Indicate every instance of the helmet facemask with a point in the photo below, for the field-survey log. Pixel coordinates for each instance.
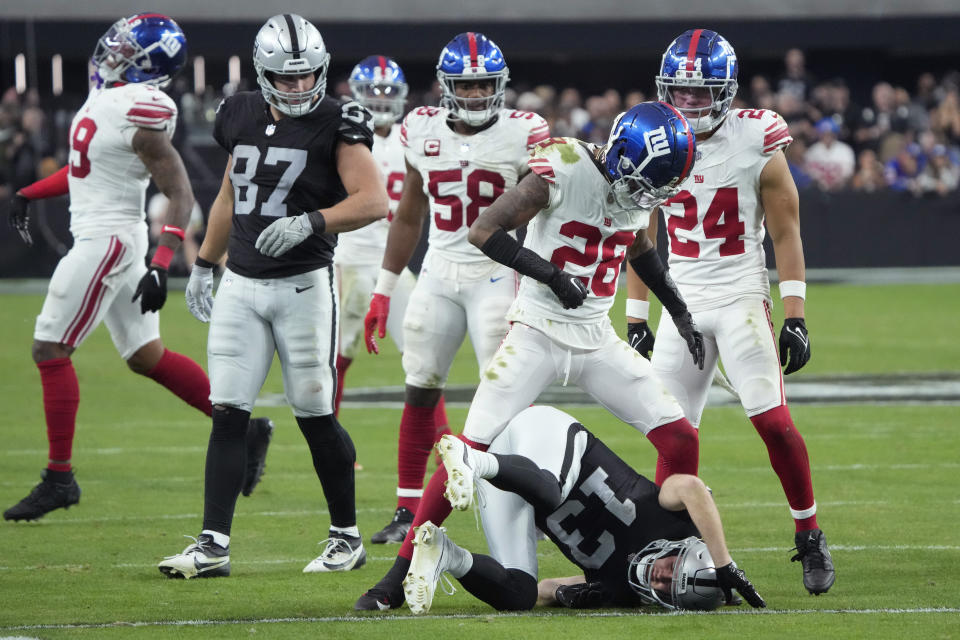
(473, 111)
(633, 190)
(694, 582)
(706, 118)
(385, 100)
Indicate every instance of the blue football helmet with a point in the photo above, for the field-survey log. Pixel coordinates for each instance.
(651, 150)
(694, 583)
(703, 59)
(146, 47)
(378, 83)
(472, 56)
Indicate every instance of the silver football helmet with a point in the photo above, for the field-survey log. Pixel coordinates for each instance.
(289, 44)
(694, 584)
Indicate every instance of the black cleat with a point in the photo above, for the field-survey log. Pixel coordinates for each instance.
(812, 552)
(396, 530)
(45, 497)
(379, 599)
(259, 432)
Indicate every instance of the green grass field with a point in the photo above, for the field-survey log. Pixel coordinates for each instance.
(885, 478)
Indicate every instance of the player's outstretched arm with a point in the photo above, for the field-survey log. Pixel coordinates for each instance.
(405, 229)
(781, 204)
(155, 150)
(199, 292)
(645, 262)
(514, 208)
(682, 491)
(18, 210)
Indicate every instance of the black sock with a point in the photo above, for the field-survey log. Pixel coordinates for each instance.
(521, 475)
(503, 589)
(226, 465)
(333, 458)
(60, 477)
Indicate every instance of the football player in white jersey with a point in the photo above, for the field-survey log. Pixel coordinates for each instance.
(741, 186)
(460, 158)
(299, 172)
(584, 205)
(119, 138)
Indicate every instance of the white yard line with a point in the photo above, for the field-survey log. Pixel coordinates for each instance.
(373, 619)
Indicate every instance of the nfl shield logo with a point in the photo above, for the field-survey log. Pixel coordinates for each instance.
(270, 129)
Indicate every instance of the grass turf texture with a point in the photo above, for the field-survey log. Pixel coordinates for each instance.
(884, 478)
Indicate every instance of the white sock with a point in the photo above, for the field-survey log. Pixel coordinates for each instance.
(459, 561)
(221, 539)
(484, 464)
(353, 531)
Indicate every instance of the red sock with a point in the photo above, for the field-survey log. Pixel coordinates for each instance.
(185, 378)
(788, 455)
(433, 506)
(342, 365)
(678, 449)
(413, 450)
(61, 398)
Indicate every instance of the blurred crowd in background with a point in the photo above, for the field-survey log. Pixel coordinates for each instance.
(904, 139)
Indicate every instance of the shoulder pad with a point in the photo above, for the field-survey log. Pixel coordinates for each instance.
(356, 124)
(547, 154)
(149, 107)
(535, 126)
(764, 128)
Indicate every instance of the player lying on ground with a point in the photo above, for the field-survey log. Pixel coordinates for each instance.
(636, 542)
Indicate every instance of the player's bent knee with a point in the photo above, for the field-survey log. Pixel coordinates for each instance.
(758, 394)
(43, 351)
(520, 592)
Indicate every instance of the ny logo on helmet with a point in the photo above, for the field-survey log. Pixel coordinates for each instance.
(657, 145)
(170, 44)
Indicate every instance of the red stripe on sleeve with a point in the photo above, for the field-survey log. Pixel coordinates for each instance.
(779, 137)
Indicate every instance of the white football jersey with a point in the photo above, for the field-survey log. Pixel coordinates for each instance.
(582, 230)
(463, 175)
(366, 244)
(716, 223)
(108, 182)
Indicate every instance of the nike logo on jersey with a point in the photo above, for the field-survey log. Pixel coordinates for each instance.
(302, 289)
(799, 334)
(495, 279)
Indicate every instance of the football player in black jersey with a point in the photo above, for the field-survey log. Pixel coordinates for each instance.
(299, 172)
(635, 542)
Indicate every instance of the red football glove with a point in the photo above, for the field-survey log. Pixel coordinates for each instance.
(376, 319)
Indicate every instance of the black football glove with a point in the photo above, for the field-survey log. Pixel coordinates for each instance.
(794, 345)
(570, 289)
(640, 337)
(20, 217)
(688, 331)
(586, 595)
(152, 289)
(731, 577)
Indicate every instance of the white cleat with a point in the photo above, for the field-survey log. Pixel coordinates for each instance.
(427, 565)
(202, 559)
(342, 553)
(461, 478)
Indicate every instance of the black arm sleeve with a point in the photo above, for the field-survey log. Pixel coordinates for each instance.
(505, 249)
(651, 270)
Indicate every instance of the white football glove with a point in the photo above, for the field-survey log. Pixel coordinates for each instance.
(200, 293)
(284, 234)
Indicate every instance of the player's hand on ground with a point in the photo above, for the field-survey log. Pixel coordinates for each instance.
(569, 289)
(640, 337)
(732, 577)
(376, 318)
(19, 216)
(199, 292)
(586, 595)
(688, 331)
(152, 289)
(284, 234)
(794, 345)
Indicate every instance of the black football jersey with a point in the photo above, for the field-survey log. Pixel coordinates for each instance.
(284, 168)
(611, 513)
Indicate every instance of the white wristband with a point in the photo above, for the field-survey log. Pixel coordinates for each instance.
(638, 308)
(796, 288)
(386, 282)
